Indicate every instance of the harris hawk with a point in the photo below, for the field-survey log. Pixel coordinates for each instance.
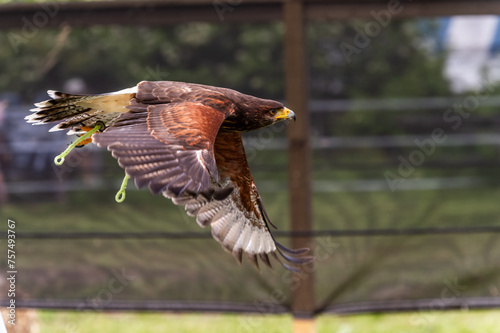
(183, 141)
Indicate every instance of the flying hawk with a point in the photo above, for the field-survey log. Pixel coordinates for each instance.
(183, 140)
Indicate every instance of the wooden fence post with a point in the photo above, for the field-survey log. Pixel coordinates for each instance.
(299, 157)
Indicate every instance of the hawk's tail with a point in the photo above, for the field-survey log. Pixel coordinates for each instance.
(74, 112)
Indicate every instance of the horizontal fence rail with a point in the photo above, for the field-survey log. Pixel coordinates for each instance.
(413, 305)
(148, 305)
(277, 233)
(235, 307)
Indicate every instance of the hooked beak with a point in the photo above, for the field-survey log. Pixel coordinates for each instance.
(284, 114)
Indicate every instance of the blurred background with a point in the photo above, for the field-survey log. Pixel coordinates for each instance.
(404, 131)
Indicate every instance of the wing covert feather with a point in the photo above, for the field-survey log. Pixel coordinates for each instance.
(166, 146)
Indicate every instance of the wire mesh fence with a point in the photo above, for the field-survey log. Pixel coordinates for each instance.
(404, 190)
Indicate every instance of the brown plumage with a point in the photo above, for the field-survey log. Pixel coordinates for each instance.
(183, 140)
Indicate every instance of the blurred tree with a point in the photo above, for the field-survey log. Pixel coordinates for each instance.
(348, 61)
(393, 63)
(248, 58)
(243, 56)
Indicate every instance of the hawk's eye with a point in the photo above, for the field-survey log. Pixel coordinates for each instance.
(273, 111)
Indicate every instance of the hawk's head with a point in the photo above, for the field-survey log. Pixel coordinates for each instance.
(276, 114)
(254, 113)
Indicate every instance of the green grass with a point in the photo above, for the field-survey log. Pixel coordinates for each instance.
(435, 322)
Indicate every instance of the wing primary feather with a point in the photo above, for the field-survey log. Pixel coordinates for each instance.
(275, 256)
(254, 261)
(156, 185)
(292, 251)
(185, 186)
(264, 213)
(297, 260)
(238, 255)
(171, 185)
(291, 268)
(265, 258)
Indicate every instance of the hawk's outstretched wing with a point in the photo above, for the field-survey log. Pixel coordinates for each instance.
(238, 221)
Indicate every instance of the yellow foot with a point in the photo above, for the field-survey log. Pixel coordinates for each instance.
(86, 141)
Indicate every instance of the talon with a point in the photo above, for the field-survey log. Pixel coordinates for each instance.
(84, 143)
(86, 128)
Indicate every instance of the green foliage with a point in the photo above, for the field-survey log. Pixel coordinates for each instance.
(110, 58)
(244, 57)
(393, 64)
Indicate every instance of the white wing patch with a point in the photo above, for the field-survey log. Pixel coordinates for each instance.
(230, 227)
(235, 231)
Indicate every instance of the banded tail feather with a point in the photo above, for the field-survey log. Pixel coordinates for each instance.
(73, 112)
